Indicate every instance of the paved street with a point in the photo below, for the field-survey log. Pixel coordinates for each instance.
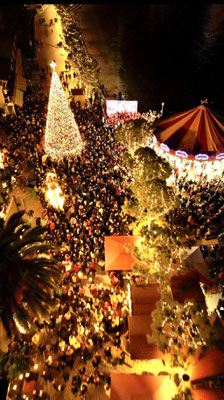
(50, 36)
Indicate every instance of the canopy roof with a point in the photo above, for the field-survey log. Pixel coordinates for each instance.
(209, 364)
(198, 130)
(140, 387)
(116, 256)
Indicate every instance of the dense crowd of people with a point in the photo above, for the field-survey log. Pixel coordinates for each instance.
(201, 208)
(21, 136)
(93, 185)
(86, 334)
(120, 118)
(87, 330)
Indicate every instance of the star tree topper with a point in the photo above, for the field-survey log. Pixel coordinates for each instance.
(53, 65)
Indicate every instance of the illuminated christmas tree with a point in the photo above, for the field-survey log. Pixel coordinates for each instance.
(62, 137)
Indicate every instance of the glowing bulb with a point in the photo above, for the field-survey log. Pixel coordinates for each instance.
(219, 156)
(53, 65)
(165, 147)
(201, 157)
(181, 153)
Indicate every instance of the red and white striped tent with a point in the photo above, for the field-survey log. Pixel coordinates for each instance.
(198, 130)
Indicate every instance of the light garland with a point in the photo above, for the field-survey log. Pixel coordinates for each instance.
(180, 327)
(181, 154)
(62, 137)
(165, 147)
(150, 115)
(189, 167)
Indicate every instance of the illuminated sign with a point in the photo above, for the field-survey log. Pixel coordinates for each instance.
(121, 106)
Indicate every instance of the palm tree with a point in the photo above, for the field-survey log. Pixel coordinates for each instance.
(29, 275)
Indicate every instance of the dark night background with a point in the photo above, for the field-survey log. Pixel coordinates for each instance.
(170, 52)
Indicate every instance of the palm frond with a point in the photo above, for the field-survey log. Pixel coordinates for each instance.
(28, 275)
(12, 223)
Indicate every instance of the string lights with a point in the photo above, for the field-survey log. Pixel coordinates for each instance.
(62, 137)
(180, 329)
(189, 167)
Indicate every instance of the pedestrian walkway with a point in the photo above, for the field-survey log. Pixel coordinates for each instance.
(24, 200)
(48, 36)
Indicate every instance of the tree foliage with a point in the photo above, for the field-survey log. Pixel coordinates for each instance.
(179, 329)
(134, 133)
(150, 205)
(13, 364)
(158, 253)
(29, 275)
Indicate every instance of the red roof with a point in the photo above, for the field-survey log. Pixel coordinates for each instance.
(144, 300)
(140, 387)
(210, 363)
(116, 256)
(198, 130)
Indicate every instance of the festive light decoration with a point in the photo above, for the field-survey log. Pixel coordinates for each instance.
(85, 65)
(190, 167)
(179, 329)
(153, 201)
(62, 137)
(54, 192)
(220, 156)
(150, 116)
(165, 147)
(154, 139)
(202, 157)
(181, 153)
(1, 160)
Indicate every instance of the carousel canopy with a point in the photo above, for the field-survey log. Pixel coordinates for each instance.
(198, 130)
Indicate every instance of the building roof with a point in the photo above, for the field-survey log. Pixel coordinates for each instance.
(116, 255)
(140, 387)
(198, 130)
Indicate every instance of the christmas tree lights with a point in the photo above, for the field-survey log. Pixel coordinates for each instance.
(62, 137)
